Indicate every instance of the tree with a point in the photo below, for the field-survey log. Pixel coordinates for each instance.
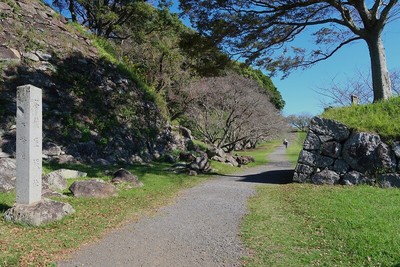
(300, 122)
(232, 110)
(255, 28)
(105, 18)
(340, 94)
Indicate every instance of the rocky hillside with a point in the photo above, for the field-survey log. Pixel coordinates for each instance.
(93, 110)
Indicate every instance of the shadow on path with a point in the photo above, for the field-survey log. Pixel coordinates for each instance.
(270, 177)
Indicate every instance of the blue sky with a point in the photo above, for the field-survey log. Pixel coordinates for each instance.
(299, 89)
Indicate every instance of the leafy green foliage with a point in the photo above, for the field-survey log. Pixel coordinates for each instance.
(265, 83)
(382, 117)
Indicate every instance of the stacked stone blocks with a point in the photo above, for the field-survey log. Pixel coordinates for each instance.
(333, 154)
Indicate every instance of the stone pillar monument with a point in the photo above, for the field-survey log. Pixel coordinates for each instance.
(29, 144)
(30, 208)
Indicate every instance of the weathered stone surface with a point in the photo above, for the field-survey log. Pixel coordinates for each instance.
(323, 162)
(42, 212)
(219, 159)
(185, 132)
(231, 160)
(396, 149)
(51, 149)
(331, 149)
(71, 174)
(384, 158)
(7, 184)
(307, 158)
(31, 56)
(304, 169)
(187, 156)
(8, 168)
(9, 54)
(29, 144)
(43, 56)
(364, 153)
(200, 164)
(351, 159)
(54, 180)
(325, 138)
(244, 160)
(340, 166)
(325, 177)
(203, 163)
(216, 152)
(312, 142)
(95, 188)
(4, 6)
(389, 180)
(355, 178)
(329, 127)
(301, 177)
(124, 176)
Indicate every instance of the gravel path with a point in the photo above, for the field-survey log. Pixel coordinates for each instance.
(200, 229)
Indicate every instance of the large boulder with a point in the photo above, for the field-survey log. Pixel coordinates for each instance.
(366, 153)
(8, 169)
(312, 142)
(55, 181)
(124, 176)
(302, 173)
(7, 184)
(308, 158)
(331, 149)
(216, 152)
(355, 178)
(42, 212)
(325, 177)
(95, 188)
(335, 129)
(200, 164)
(389, 180)
(51, 149)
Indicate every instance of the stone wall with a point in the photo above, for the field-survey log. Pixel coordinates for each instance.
(333, 154)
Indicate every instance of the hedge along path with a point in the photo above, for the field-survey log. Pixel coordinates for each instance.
(200, 229)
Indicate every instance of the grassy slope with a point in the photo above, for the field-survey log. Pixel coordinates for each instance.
(95, 217)
(382, 118)
(307, 225)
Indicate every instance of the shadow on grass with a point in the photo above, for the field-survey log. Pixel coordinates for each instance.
(270, 177)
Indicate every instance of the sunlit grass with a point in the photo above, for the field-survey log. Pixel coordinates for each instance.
(95, 217)
(382, 117)
(308, 225)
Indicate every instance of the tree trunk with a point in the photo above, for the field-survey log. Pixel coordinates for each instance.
(380, 75)
(72, 10)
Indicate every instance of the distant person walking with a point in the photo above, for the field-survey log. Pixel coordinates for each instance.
(286, 142)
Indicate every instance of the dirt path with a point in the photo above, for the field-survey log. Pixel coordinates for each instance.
(200, 229)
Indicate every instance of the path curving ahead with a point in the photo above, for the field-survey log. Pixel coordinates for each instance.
(200, 229)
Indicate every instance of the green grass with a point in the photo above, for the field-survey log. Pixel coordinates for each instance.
(92, 219)
(294, 148)
(308, 225)
(259, 154)
(95, 217)
(382, 117)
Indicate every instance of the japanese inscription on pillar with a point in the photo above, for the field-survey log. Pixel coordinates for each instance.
(29, 144)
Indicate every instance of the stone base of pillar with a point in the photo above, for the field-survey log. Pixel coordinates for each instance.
(42, 212)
